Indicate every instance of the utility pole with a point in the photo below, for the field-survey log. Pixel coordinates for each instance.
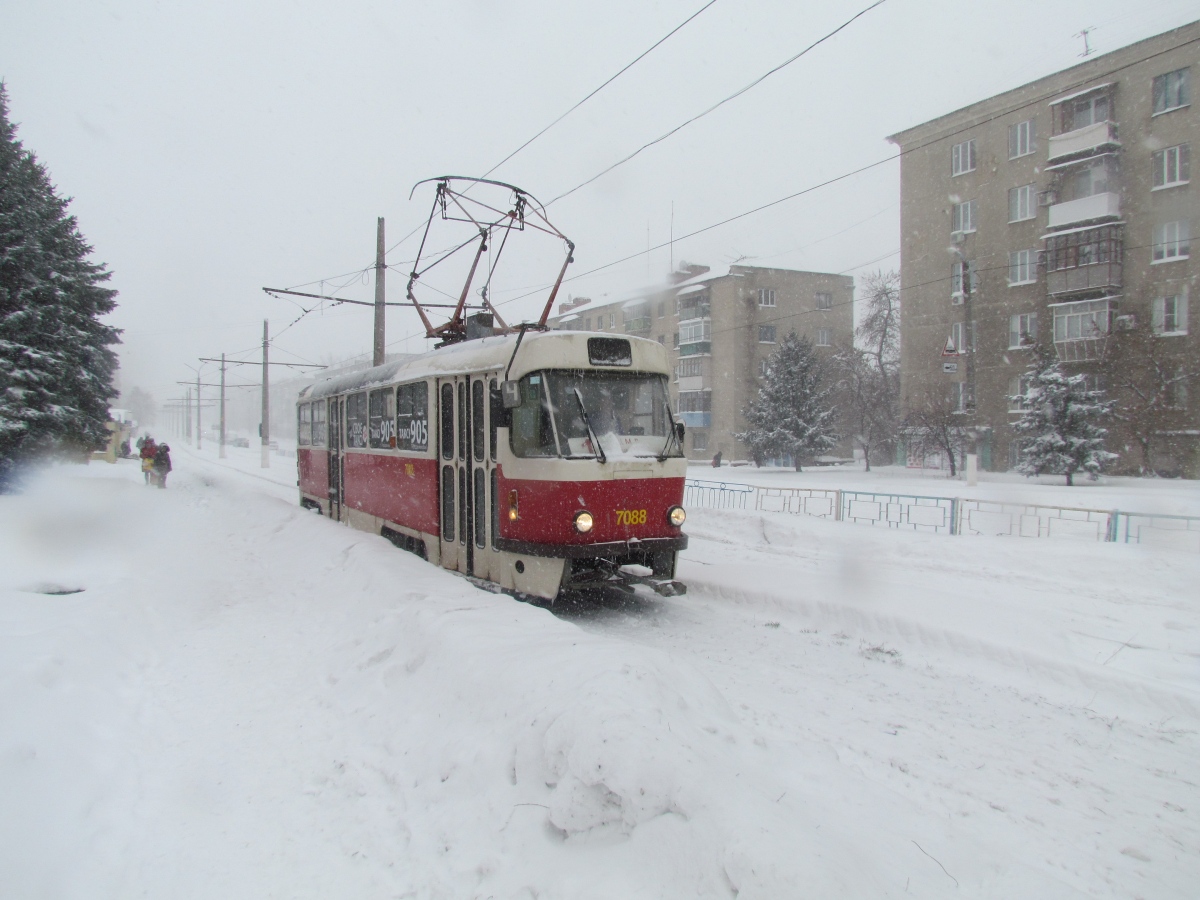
(969, 403)
(265, 428)
(199, 429)
(380, 270)
(187, 428)
(221, 453)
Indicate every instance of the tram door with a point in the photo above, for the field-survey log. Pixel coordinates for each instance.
(336, 477)
(464, 474)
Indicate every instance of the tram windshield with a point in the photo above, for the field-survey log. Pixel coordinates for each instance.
(593, 415)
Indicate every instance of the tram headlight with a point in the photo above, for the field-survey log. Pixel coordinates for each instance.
(583, 522)
(676, 516)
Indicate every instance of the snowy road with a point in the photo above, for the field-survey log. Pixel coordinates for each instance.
(247, 700)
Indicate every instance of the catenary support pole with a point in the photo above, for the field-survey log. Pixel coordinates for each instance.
(380, 270)
(187, 428)
(199, 428)
(221, 453)
(266, 404)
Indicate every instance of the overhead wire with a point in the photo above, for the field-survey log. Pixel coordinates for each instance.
(720, 103)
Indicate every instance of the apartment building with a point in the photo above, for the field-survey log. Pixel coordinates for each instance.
(723, 328)
(1060, 212)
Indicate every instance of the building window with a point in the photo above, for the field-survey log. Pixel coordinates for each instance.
(962, 158)
(1022, 203)
(1083, 320)
(1169, 315)
(612, 320)
(824, 300)
(963, 397)
(1021, 327)
(662, 309)
(587, 324)
(764, 368)
(1171, 166)
(676, 340)
(689, 367)
(695, 401)
(957, 330)
(1097, 178)
(662, 339)
(699, 440)
(766, 296)
(1018, 387)
(766, 334)
(1171, 241)
(964, 217)
(956, 277)
(1020, 139)
(1083, 248)
(1081, 112)
(1172, 91)
(824, 337)
(1022, 267)
(695, 332)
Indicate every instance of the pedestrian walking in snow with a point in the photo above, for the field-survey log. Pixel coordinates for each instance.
(717, 460)
(146, 450)
(162, 465)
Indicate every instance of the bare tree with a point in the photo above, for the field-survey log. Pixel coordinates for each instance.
(866, 402)
(878, 331)
(1147, 375)
(870, 372)
(936, 426)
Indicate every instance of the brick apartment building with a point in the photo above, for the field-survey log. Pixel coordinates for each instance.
(1059, 211)
(722, 329)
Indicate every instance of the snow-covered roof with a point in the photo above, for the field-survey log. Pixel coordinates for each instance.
(1050, 234)
(539, 350)
(694, 289)
(1083, 93)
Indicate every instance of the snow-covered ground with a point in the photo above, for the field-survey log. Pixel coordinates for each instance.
(246, 700)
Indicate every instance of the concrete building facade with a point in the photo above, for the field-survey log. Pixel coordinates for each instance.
(722, 329)
(1060, 212)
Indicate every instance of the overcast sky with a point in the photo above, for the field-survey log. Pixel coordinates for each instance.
(215, 148)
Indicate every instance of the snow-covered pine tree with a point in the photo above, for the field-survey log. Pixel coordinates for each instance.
(56, 365)
(1060, 421)
(793, 412)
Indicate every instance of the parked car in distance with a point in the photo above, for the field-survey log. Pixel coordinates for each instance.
(239, 441)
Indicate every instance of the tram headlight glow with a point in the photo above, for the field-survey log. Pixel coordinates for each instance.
(583, 522)
(676, 516)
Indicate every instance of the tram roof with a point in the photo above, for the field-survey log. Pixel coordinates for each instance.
(539, 350)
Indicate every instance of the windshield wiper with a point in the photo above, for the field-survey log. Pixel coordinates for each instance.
(588, 425)
(672, 435)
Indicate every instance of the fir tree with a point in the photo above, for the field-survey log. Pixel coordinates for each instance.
(792, 413)
(1059, 421)
(56, 365)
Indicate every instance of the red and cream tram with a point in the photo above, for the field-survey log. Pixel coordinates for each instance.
(537, 461)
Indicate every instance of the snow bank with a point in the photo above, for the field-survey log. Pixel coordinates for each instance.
(247, 700)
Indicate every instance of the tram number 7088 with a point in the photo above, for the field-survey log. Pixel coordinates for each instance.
(631, 516)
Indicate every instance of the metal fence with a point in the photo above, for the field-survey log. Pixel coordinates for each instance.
(952, 515)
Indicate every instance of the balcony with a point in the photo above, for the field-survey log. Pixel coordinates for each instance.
(695, 348)
(691, 383)
(1080, 328)
(1083, 141)
(640, 325)
(696, 419)
(1085, 209)
(1084, 278)
(689, 311)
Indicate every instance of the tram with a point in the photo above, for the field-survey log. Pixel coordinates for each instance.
(534, 460)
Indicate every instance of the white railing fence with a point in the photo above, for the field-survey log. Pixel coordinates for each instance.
(952, 515)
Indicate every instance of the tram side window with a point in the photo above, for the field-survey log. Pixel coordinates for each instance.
(412, 416)
(447, 414)
(318, 423)
(531, 433)
(356, 420)
(382, 421)
(304, 427)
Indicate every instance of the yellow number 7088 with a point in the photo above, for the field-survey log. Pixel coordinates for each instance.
(631, 516)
